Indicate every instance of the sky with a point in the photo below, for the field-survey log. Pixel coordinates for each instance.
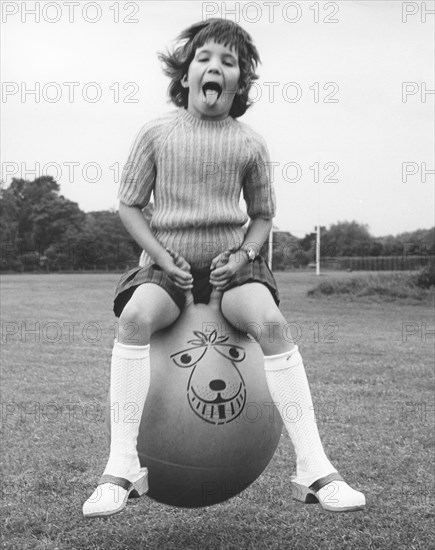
(343, 100)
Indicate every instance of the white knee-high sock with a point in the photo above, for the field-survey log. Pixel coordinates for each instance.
(288, 386)
(129, 384)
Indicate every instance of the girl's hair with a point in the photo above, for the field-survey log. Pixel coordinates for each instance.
(227, 33)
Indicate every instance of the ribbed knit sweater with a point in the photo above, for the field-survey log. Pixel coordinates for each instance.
(197, 170)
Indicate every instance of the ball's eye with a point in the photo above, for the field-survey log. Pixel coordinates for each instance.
(231, 352)
(234, 352)
(188, 357)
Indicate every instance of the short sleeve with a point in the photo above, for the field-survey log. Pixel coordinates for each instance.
(258, 190)
(139, 172)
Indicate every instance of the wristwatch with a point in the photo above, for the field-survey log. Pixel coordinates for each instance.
(250, 252)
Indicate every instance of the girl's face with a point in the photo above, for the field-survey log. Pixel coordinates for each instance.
(212, 80)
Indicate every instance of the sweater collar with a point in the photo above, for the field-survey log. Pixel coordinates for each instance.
(195, 121)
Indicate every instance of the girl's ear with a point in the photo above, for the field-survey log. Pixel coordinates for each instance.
(184, 81)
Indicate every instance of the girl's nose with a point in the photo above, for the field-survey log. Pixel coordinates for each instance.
(213, 66)
(213, 69)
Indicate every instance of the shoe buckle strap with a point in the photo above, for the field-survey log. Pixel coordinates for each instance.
(120, 481)
(317, 485)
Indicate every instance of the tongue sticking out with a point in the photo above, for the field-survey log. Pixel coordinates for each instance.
(211, 91)
(211, 96)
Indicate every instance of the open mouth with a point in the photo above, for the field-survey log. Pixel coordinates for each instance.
(212, 87)
(212, 92)
(218, 410)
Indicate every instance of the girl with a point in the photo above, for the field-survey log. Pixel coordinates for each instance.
(197, 161)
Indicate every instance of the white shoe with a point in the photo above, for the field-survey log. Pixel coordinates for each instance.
(331, 492)
(112, 493)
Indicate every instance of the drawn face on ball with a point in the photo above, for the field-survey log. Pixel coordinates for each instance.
(216, 390)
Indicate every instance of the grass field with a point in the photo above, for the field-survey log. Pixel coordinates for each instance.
(370, 365)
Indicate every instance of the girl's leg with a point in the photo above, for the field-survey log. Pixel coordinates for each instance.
(150, 309)
(252, 305)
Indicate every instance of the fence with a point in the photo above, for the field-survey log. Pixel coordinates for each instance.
(345, 263)
(109, 268)
(376, 263)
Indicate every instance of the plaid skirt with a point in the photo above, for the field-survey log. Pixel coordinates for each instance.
(258, 271)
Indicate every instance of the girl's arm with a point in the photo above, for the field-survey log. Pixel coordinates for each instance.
(225, 265)
(257, 233)
(136, 224)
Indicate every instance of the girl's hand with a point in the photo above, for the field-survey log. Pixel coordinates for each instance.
(223, 267)
(178, 269)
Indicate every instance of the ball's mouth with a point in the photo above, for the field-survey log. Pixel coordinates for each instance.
(218, 410)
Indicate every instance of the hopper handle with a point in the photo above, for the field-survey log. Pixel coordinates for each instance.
(214, 302)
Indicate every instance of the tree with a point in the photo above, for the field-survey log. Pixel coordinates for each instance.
(8, 216)
(41, 214)
(38, 219)
(41, 228)
(287, 252)
(346, 239)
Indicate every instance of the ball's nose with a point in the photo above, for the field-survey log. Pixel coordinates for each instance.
(217, 385)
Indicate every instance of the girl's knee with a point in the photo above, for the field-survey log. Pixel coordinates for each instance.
(144, 315)
(272, 316)
(135, 315)
(268, 329)
(135, 325)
